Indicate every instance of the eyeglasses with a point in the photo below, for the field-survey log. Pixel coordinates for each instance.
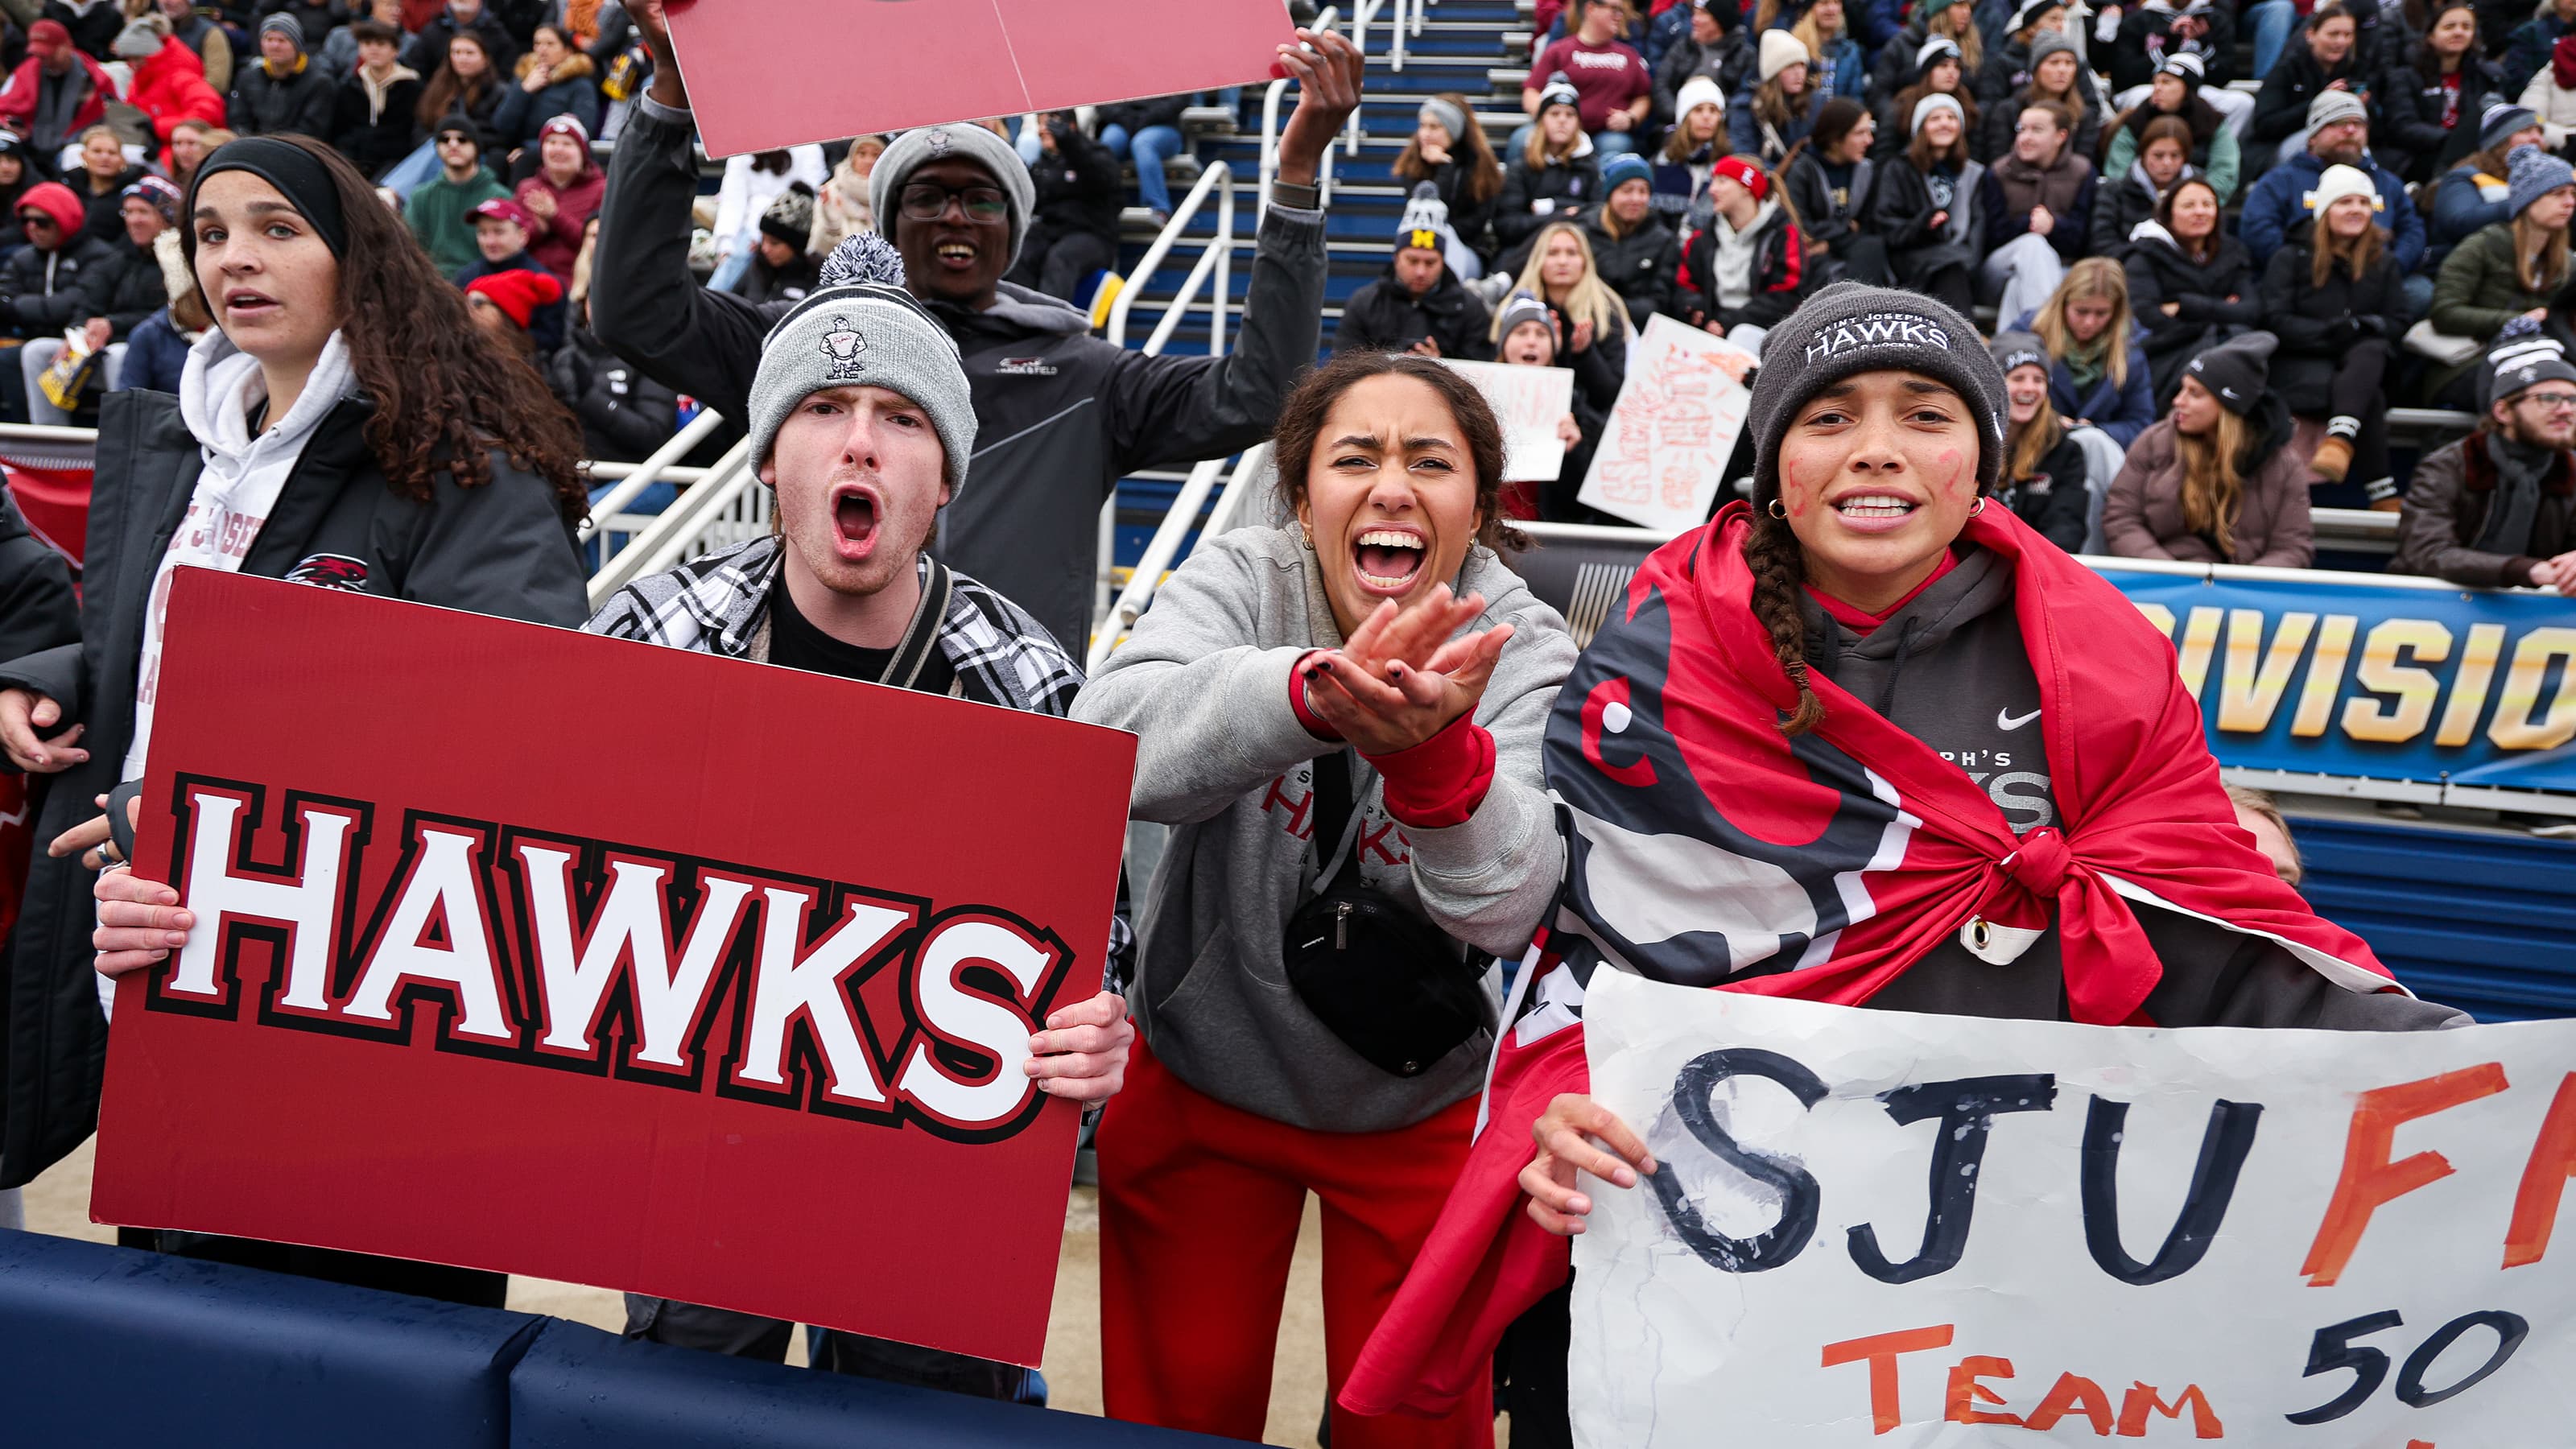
(2550, 402)
(925, 201)
(456, 140)
(36, 220)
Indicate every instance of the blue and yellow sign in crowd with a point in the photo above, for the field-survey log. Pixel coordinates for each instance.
(2339, 677)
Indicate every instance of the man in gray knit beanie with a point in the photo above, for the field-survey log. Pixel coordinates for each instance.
(1847, 329)
(855, 338)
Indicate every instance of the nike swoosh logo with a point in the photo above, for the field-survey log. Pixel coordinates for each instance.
(2005, 721)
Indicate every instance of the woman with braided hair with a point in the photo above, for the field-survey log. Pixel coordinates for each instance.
(1866, 739)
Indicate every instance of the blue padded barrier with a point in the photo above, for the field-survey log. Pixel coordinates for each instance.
(579, 1388)
(115, 1347)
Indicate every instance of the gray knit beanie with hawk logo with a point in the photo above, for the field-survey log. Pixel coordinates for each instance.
(1848, 329)
(864, 336)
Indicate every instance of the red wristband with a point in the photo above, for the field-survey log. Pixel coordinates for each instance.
(1313, 722)
(1442, 780)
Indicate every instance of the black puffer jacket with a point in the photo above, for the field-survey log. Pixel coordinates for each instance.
(127, 288)
(2146, 40)
(1997, 122)
(502, 549)
(44, 292)
(1831, 215)
(1901, 211)
(1384, 317)
(2281, 107)
(2054, 499)
(624, 414)
(1532, 199)
(1638, 266)
(2118, 207)
(2159, 272)
(2318, 325)
(301, 102)
(1078, 187)
(2406, 131)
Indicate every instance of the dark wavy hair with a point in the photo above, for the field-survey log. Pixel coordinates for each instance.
(1301, 423)
(445, 391)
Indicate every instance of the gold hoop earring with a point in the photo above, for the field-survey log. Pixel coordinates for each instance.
(1977, 507)
(1779, 509)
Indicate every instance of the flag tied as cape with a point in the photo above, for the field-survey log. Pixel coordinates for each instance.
(1708, 849)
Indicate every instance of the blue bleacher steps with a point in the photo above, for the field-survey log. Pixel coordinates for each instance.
(1475, 47)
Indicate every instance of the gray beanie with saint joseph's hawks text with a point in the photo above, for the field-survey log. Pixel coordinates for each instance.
(864, 336)
(964, 141)
(1848, 329)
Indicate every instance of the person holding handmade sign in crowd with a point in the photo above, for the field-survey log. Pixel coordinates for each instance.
(347, 426)
(862, 424)
(1340, 719)
(1067, 413)
(1534, 335)
(1915, 735)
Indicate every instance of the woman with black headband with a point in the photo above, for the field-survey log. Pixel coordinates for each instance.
(346, 424)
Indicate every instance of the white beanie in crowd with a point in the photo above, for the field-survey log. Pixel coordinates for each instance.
(1781, 50)
(1698, 91)
(2337, 182)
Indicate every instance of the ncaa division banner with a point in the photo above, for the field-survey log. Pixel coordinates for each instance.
(2328, 674)
(2334, 677)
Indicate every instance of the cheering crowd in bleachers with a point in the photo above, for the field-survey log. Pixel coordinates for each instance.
(2380, 223)
(2388, 206)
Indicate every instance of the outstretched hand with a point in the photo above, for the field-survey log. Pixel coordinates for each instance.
(1401, 678)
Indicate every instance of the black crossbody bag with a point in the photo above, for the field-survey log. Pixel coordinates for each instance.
(1390, 984)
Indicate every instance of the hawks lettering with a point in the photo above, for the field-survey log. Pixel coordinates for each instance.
(1878, 329)
(575, 955)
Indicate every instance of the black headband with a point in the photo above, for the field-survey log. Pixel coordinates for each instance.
(298, 175)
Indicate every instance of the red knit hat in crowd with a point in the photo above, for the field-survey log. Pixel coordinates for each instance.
(56, 200)
(518, 294)
(1751, 177)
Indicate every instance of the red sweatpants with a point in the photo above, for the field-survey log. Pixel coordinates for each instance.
(1199, 1204)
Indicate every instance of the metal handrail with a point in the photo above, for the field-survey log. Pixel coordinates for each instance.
(1163, 553)
(654, 467)
(1217, 259)
(681, 526)
(1159, 550)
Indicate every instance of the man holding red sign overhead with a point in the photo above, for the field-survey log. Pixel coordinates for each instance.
(1066, 414)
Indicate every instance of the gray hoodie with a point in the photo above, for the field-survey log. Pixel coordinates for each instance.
(1222, 759)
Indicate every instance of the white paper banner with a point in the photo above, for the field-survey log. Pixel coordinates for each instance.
(1663, 453)
(2294, 1238)
(1528, 402)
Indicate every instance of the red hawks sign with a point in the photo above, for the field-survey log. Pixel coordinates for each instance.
(522, 949)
